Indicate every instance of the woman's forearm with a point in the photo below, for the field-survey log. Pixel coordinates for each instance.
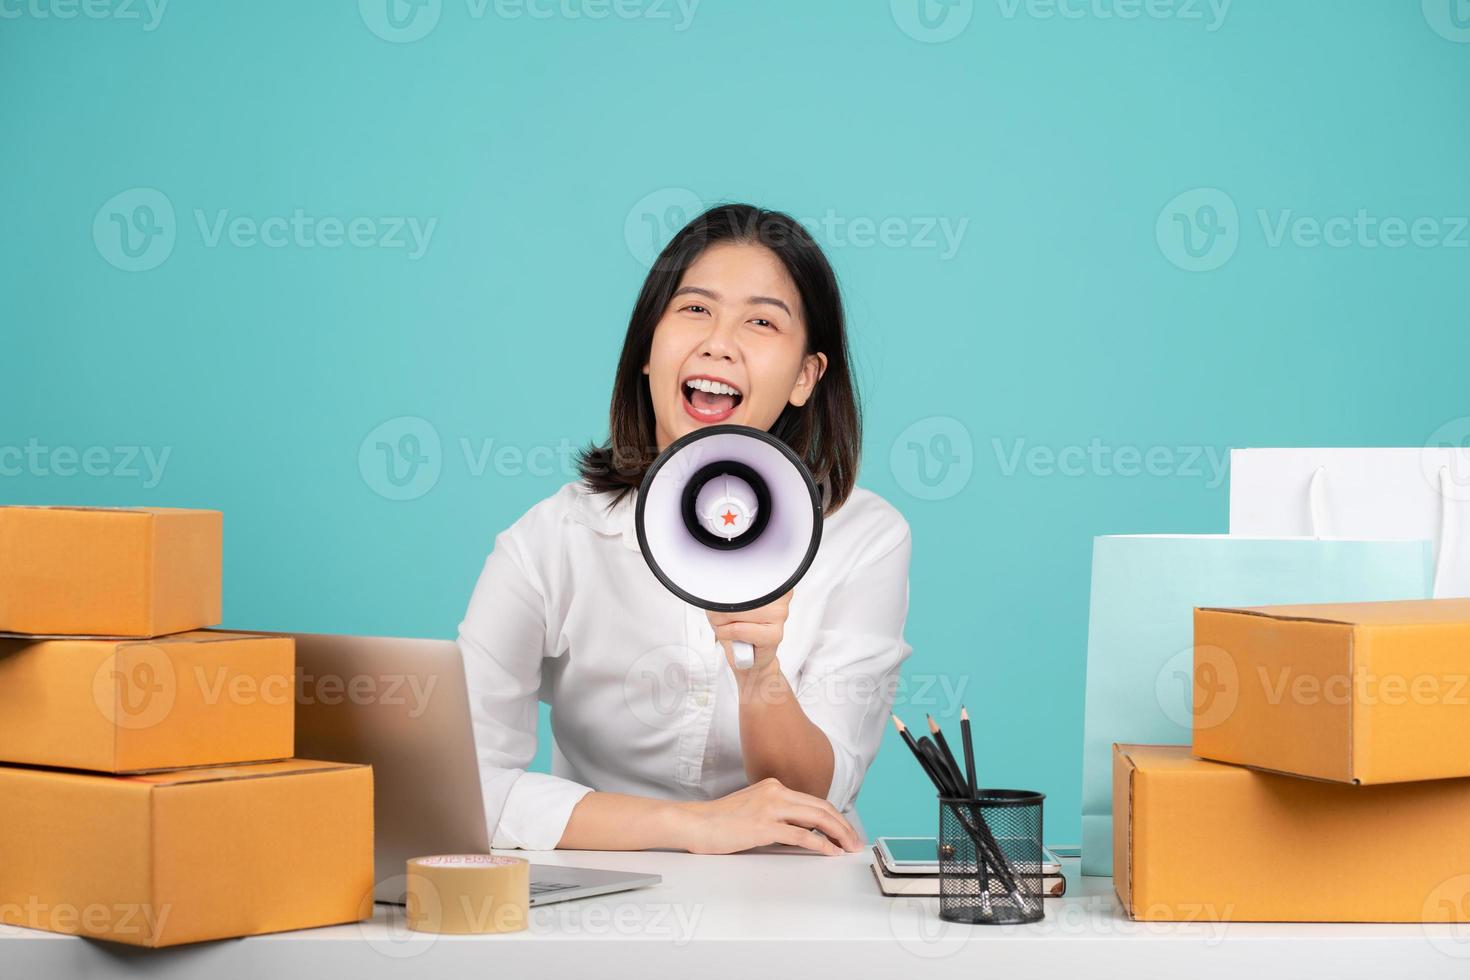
(620, 822)
(776, 737)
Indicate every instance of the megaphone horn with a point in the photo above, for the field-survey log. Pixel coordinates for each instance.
(729, 519)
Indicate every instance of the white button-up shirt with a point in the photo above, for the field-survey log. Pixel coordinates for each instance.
(642, 700)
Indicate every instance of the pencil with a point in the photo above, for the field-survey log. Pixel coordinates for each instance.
(988, 848)
(943, 743)
(908, 739)
(940, 766)
(969, 752)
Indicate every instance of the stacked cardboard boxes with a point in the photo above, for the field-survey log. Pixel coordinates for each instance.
(1329, 777)
(147, 789)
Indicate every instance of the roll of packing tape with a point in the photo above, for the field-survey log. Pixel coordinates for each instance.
(461, 894)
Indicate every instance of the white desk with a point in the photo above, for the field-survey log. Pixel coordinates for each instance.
(772, 914)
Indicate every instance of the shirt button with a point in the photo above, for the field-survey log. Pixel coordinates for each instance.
(702, 698)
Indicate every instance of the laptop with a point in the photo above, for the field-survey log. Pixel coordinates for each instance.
(402, 706)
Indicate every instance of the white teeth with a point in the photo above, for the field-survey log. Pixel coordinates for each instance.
(713, 387)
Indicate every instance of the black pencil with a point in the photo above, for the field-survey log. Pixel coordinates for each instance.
(969, 752)
(988, 848)
(908, 739)
(943, 743)
(937, 761)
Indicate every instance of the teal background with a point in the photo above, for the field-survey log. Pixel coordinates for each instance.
(1060, 319)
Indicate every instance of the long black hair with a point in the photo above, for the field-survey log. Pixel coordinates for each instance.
(826, 432)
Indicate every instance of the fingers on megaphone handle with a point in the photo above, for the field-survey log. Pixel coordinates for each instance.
(743, 654)
(1317, 501)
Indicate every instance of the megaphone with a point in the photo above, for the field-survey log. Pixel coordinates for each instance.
(728, 519)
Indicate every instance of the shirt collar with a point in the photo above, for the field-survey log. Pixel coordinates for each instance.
(591, 509)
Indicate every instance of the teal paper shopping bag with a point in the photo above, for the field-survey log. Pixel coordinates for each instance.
(1140, 652)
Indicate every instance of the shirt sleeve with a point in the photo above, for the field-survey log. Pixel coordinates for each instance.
(502, 640)
(848, 681)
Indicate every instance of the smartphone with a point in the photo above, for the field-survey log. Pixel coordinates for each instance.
(920, 855)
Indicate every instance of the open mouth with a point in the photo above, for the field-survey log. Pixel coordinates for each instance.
(710, 399)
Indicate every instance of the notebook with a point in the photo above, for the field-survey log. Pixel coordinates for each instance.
(890, 884)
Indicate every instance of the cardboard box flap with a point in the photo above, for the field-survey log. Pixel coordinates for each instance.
(192, 636)
(1410, 612)
(260, 770)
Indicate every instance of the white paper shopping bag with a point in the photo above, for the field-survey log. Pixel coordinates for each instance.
(1383, 494)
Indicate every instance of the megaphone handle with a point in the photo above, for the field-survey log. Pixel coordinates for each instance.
(744, 654)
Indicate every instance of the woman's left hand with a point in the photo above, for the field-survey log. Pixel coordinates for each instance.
(761, 627)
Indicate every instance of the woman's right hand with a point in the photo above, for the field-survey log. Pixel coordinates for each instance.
(767, 812)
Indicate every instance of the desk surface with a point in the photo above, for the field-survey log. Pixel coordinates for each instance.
(799, 914)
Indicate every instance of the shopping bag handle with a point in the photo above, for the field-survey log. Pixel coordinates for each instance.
(1317, 507)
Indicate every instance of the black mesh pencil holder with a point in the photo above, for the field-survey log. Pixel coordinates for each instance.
(990, 857)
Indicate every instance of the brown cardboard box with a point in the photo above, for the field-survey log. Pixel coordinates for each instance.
(94, 571)
(181, 857)
(1205, 841)
(200, 698)
(1371, 692)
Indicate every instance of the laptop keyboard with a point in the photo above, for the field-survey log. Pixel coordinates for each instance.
(548, 887)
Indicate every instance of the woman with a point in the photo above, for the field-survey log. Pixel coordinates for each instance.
(659, 741)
